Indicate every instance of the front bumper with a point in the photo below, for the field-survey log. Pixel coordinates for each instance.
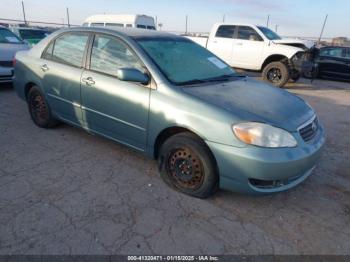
(6, 74)
(259, 170)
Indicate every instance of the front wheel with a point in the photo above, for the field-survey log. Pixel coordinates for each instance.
(186, 164)
(277, 73)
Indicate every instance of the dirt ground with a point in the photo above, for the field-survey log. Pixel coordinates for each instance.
(64, 191)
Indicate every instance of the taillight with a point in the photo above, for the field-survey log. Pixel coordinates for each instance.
(14, 61)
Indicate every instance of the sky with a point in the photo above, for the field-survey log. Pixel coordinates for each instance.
(293, 17)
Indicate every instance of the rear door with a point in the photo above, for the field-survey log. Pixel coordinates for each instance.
(113, 108)
(248, 47)
(221, 43)
(61, 67)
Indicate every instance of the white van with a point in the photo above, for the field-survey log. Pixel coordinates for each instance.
(136, 21)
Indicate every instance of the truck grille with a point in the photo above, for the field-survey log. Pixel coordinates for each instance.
(309, 131)
(6, 63)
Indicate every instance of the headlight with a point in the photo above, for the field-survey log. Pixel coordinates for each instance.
(263, 135)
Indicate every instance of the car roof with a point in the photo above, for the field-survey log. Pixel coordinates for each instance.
(126, 32)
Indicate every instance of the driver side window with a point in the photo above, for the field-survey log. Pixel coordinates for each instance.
(110, 54)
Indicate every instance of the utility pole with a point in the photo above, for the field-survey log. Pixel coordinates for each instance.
(186, 24)
(24, 14)
(276, 29)
(156, 22)
(268, 21)
(68, 17)
(324, 25)
(223, 18)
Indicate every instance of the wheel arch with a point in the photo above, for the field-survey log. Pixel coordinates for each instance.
(273, 58)
(168, 132)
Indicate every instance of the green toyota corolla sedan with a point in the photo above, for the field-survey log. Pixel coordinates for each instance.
(173, 100)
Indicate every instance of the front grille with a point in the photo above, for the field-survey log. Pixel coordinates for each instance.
(6, 63)
(309, 131)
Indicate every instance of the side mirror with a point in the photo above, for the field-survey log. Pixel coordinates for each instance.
(132, 75)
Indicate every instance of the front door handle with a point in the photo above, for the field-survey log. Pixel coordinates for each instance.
(44, 68)
(89, 81)
(239, 44)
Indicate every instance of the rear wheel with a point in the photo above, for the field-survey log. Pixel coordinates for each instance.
(277, 73)
(39, 109)
(185, 164)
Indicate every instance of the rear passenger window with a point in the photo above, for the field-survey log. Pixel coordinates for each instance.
(114, 25)
(332, 52)
(109, 54)
(97, 24)
(226, 31)
(248, 33)
(69, 49)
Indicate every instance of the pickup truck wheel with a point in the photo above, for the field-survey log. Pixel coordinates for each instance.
(186, 165)
(277, 73)
(39, 109)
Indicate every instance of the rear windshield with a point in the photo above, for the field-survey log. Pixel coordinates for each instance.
(7, 37)
(33, 34)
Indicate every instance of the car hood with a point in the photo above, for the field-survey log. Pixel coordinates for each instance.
(8, 51)
(252, 100)
(295, 42)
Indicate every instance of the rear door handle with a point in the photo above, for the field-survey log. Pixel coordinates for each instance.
(89, 81)
(239, 44)
(44, 68)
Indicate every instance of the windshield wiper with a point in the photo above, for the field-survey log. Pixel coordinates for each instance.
(208, 80)
(193, 82)
(220, 78)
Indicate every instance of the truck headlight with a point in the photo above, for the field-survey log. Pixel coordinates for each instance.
(263, 135)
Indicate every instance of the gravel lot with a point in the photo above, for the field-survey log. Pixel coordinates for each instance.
(64, 191)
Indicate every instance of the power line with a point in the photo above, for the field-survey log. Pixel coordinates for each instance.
(24, 13)
(68, 17)
(324, 24)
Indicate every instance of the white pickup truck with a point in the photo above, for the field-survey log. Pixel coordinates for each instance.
(256, 48)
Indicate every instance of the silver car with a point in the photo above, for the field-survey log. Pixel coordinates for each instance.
(9, 45)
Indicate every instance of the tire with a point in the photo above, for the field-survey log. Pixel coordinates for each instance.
(276, 73)
(295, 78)
(186, 165)
(39, 109)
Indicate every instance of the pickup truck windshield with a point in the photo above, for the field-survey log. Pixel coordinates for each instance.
(271, 35)
(183, 62)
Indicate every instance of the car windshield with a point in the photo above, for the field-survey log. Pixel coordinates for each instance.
(184, 62)
(271, 35)
(7, 37)
(32, 34)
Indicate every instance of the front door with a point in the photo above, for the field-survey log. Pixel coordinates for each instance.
(61, 68)
(248, 47)
(114, 108)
